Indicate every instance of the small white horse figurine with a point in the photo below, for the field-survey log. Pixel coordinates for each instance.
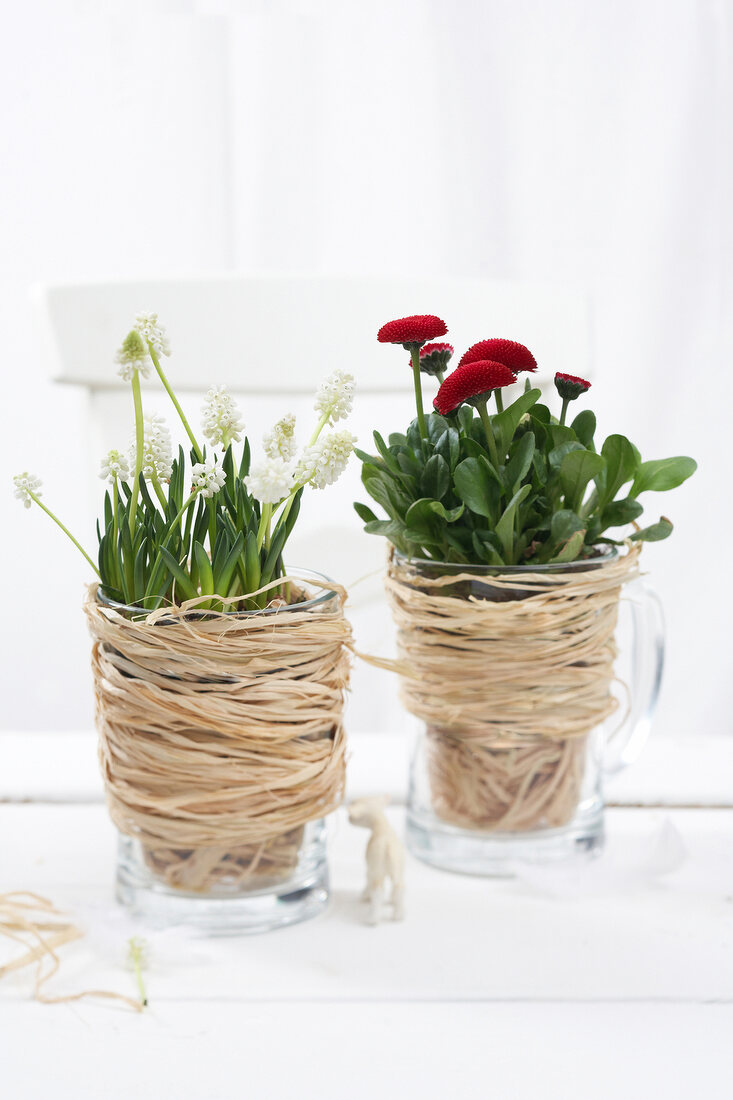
(385, 857)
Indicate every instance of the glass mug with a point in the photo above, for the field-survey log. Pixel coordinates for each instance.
(480, 808)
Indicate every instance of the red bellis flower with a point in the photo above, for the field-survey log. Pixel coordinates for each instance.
(513, 355)
(434, 358)
(412, 331)
(570, 386)
(471, 381)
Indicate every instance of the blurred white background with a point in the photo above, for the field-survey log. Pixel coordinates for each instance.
(583, 145)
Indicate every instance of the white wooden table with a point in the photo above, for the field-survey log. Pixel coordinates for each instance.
(620, 986)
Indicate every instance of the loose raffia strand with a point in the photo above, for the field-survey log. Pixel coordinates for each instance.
(39, 927)
(220, 732)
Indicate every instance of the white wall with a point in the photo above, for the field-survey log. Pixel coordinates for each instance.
(584, 144)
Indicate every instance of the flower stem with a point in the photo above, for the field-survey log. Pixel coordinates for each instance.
(66, 530)
(264, 528)
(139, 444)
(418, 392)
(174, 399)
(319, 428)
(115, 527)
(565, 403)
(499, 400)
(159, 492)
(488, 430)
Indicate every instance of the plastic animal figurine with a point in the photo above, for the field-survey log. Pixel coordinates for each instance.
(385, 858)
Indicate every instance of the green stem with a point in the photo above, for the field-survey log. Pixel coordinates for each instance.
(115, 506)
(174, 399)
(264, 528)
(440, 375)
(319, 428)
(159, 492)
(418, 392)
(565, 403)
(139, 444)
(486, 421)
(66, 530)
(499, 400)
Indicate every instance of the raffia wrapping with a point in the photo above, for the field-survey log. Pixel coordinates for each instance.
(509, 683)
(221, 735)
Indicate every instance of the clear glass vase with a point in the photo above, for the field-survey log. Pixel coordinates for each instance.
(481, 805)
(228, 887)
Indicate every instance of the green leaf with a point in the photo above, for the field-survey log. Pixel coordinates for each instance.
(662, 474)
(557, 454)
(584, 427)
(183, 582)
(621, 466)
(476, 486)
(365, 514)
(564, 524)
(435, 480)
(224, 566)
(450, 515)
(466, 418)
(388, 528)
(251, 564)
(505, 526)
(485, 551)
(520, 460)
(449, 446)
(576, 470)
(655, 532)
(421, 517)
(620, 512)
(571, 549)
(206, 574)
(507, 422)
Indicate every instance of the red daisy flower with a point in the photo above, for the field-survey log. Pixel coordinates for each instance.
(434, 358)
(513, 355)
(471, 381)
(570, 386)
(412, 331)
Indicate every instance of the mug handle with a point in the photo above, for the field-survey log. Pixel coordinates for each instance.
(625, 743)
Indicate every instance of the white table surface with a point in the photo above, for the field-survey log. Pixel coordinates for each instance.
(616, 984)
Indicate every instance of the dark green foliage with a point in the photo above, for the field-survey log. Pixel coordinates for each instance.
(554, 497)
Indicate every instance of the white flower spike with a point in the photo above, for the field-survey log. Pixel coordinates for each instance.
(25, 484)
(221, 421)
(150, 329)
(280, 442)
(157, 450)
(114, 467)
(133, 357)
(270, 481)
(326, 460)
(208, 478)
(335, 396)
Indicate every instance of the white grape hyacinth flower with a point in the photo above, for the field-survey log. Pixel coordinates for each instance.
(157, 449)
(25, 484)
(208, 478)
(335, 396)
(114, 467)
(325, 461)
(270, 480)
(280, 442)
(150, 329)
(220, 419)
(133, 357)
